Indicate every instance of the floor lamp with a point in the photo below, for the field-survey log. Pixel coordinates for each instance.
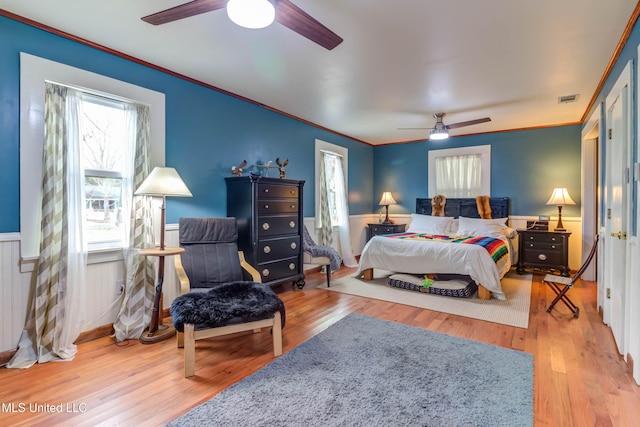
(161, 182)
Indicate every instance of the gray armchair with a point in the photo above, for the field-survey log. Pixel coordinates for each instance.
(216, 299)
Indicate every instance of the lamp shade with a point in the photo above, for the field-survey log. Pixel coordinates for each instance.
(387, 199)
(251, 13)
(560, 196)
(163, 181)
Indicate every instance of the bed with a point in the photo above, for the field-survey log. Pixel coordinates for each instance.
(428, 245)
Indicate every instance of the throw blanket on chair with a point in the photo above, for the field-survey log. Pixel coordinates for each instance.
(308, 245)
(230, 303)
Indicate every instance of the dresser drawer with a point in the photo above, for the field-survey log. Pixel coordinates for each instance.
(270, 271)
(274, 207)
(277, 225)
(542, 256)
(542, 238)
(274, 249)
(383, 229)
(277, 191)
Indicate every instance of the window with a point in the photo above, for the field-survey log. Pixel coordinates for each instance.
(336, 163)
(460, 172)
(34, 71)
(106, 150)
(331, 162)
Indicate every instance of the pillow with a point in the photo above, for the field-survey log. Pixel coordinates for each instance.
(429, 224)
(482, 227)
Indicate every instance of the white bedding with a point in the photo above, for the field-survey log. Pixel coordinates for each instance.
(419, 257)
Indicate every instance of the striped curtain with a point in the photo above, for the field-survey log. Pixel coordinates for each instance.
(56, 312)
(135, 309)
(325, 234)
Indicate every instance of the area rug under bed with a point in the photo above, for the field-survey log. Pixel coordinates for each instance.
(514, 311)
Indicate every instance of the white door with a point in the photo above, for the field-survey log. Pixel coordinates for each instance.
(615, 223)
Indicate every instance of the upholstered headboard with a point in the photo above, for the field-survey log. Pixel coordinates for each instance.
(466, 207)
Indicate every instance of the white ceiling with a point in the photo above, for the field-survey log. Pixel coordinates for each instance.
(400, 62)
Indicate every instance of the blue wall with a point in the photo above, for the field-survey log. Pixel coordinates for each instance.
(207, 131)
(525, 166)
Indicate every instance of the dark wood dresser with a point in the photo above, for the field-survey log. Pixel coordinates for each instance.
(543, 249)
(270, 220)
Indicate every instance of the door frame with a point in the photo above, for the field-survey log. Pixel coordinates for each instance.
(618, 89)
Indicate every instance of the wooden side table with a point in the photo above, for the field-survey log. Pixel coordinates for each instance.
(543, 249)
(157, 330)
(379, 229)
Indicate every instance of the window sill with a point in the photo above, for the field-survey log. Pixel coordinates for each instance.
(101, 256)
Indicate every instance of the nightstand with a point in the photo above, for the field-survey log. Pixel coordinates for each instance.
(378, 229)
(543, 249)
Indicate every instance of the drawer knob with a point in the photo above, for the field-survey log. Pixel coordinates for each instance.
(265, 272)
(292, 266)
(292, 206)
(265, 226)
(267, 249)
(266, 190)
(292, 224)
(266, 206)
(542, 257)
(293, 245)
(553, 246)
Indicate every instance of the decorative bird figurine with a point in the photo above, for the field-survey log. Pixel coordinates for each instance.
(281, 167)
(237, 170)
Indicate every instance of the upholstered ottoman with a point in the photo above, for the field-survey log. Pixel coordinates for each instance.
(450, 285)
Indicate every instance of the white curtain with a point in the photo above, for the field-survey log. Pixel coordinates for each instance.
(56, 313)
(134, 314)
(459, 176)
(342, 208)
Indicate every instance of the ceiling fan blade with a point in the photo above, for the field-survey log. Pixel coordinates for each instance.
(195, 7)
(468, 123)
(294, 18)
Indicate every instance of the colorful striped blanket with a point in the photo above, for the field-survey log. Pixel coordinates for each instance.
(495, 247)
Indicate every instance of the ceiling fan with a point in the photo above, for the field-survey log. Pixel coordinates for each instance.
(441, 131)
(282, 11)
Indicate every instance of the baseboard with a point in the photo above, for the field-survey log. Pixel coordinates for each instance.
(95, 333)
(5, 356)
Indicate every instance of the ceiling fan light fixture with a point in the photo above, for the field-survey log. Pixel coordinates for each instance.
(438, 134)
(252, 13)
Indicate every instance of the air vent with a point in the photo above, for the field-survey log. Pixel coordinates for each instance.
(567, 98)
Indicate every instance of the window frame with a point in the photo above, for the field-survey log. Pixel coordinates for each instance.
(34, 71)
(337, 150)
(483, 150)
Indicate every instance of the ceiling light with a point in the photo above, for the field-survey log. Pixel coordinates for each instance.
(251, 13)
(438, 134)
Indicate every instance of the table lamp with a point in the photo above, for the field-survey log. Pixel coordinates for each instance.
(386, 200)
(161, 182)
(560, 197)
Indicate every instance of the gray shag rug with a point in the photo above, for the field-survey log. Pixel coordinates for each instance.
(364, 371)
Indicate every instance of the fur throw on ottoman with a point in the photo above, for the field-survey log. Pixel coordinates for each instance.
(437, 205)
(230, 303)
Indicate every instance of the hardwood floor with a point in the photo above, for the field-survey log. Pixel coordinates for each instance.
(580, 380)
